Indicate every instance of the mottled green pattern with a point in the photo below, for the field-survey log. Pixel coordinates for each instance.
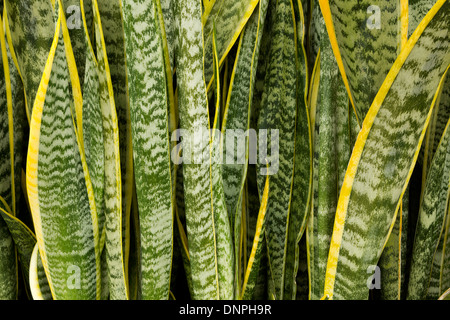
(152, 165)
(382, 173)
(16, 133)
(393, 259)
(113, 185)
(32, 30)
(93, 134)
(431, 220)
(228, 18)
(368, 50)
(113, 33)
(417, 9)
(168, 8)
(65, 213)
(23, 238)
(196, 176)
(278, 112)
(74, 19)
(237, 119)
(8, 268)
(331, 156)
(303, 170)
(252, 271)
(238, 109)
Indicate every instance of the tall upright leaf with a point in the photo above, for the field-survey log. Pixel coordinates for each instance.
(59, 187)
(366, 38)
(377, 177)
(32, 29)
(331, 155)
(229, 18)
(431, 220)
(277, 115)
(113, 182)
(152, 163)
(193, 110)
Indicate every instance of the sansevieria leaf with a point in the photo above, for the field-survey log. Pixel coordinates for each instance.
(431, 220)
(384, 155)
(113, 33)
(59, 188)
(229, 18)
(302, 185)
(366, 38)
(152, 163)
(277, 120)
(254, 262)
(224, 241)
(32, 28)
(193, 110)
(236, 125)
(113, 180)
(331, 156)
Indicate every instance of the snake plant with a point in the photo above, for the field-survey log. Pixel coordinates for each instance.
(224, 149)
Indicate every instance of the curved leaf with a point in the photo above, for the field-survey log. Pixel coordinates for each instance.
(59, 189)
(396, 121)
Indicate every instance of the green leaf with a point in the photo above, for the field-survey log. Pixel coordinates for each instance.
(151, 147)
(302, 185)
(23, 238)
(387, 148)
(31, 29)
(253, 268)
(238, 109)
(278, 112)
(417, 9)
(236, 120)
(113, 183)
(93, 137)
(8, 265)
(40, 289)
(193, 110)
(393, 259)
(224, 240)
(331, 155)
(113, 33)
(431, 220)
(59, 188)
(229, 18)
(366, 37)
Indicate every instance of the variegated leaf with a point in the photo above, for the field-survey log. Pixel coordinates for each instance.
(236, 124)
(393, 259)
(366, 38)
(24, 240)
(417, 9)
(229, 18)
(331, 155)
(32, 29)
(113, 183)
(277, 116)
(8, 264)
(301, 193)
(152, 163)
(113, 33)
(59, 188)
(222, 228)
(193, 110)
(431, 220)
(384, 156)
(40, 289)
(253, 268)
(93, 137)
